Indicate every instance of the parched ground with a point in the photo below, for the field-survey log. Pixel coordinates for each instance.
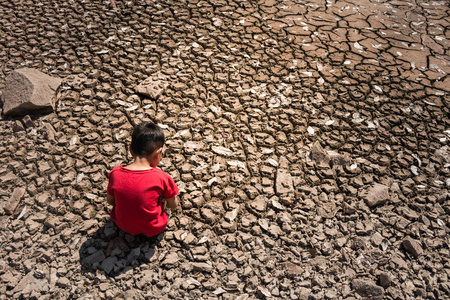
(310, 140)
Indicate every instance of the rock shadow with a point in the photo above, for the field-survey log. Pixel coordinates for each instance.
(116, 252)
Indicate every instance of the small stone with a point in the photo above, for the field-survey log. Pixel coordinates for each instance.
(258, 206)
(284, 184)
(376, 195)
(202, 267)
(153, 86)
(63, 282)
(412, 246)
(108, 264)
(385, 280)
(29, 91)
(17, 126)
(28, 122)
(94, 258)
(319, 155)
(263, 292)
(14, 200)
(171, 259)
(367, 288)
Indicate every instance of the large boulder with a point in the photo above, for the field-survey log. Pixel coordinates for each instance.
(29, 91)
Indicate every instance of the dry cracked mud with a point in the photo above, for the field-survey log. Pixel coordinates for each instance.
(310, 140)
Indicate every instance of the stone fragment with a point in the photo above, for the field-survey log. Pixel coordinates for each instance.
(170, 259)
(319, 155)
(385, 279)
(29, 91)
(63, 282)
(258, 206)
(14, 200)
(202, 267)
(108, 264)
(29, 283)
(95, 257)
(263, 292)
(153, 86)
(377, 194)
(367, 288)
(293, 270)
(28, 122)
(284, 183)
(412, 246)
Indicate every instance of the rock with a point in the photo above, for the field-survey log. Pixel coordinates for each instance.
(367, 288)
(385, 279)
(263, 292)
(153, 86)
(108, 264)
(63, 282)
(293, 270)
(258, 206)
(28, 122)
(29, 91)
(14, 200)
(284, 184)
(95, 257)
(375, 195)
(319, 155)
(170, 259)
(412, 246)
(29, 283)
(202, 267)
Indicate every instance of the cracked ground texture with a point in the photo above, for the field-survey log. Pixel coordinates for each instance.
(284, 121)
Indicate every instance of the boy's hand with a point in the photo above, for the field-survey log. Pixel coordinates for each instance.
(172, 202)
(110, 199)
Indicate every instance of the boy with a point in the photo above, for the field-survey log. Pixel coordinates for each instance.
(135, 191)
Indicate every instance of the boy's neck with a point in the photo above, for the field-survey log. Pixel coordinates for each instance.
(140, 163)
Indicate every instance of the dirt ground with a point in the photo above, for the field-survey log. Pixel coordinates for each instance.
(310, 141)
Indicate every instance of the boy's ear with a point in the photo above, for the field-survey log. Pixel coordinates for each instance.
(159, 150)
(131, 151)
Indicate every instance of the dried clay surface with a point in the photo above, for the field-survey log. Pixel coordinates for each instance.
(310, 141)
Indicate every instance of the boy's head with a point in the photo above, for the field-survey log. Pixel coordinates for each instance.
(146, 138)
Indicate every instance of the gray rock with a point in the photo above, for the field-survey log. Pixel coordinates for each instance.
(95, 257)
(108, 264)
(14, 200)
(367, 288)
(412, 246)
(29, 91)
(377, 194)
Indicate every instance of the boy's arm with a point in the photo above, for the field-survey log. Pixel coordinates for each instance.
(172, 203)
(110, 199)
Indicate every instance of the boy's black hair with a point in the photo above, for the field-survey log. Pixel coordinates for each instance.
(146, 138)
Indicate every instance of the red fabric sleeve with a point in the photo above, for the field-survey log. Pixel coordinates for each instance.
(171, 189)
(110, 190)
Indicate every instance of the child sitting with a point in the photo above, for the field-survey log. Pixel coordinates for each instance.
(135, 191)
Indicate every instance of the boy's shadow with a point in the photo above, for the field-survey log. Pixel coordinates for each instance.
(115, 252)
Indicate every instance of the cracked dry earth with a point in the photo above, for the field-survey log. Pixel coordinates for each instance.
(310, 140)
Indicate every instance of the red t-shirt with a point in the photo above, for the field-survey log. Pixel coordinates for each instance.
(137, 208)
